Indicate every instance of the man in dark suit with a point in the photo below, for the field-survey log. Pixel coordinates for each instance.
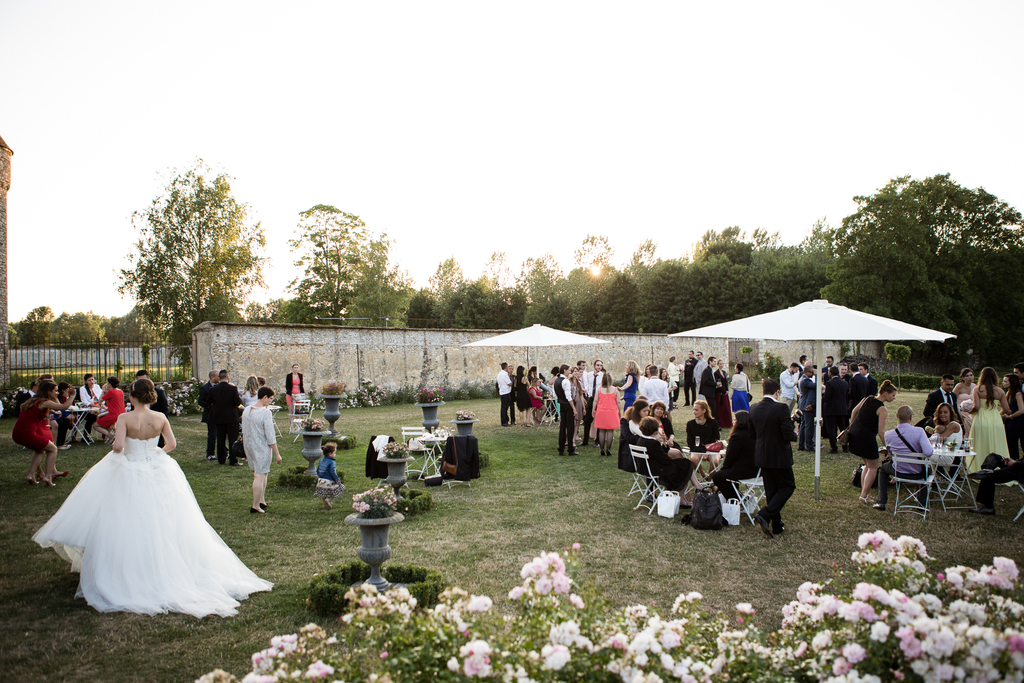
(872, 382)
(773, 431)
(707, 386)
(858, 389)
(808, 405)
(205, 403)
(833, 407)
(944, 394)
(225, 403)
(567, 409)
(161, 405)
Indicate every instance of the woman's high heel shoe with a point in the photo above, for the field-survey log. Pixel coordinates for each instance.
(864, 500)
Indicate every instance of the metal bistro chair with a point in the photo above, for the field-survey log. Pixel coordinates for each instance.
(419, 465)
(909, 486)
(652, 487)
(751, 494)
(639, 478)
(1017, 484)
(303, 408)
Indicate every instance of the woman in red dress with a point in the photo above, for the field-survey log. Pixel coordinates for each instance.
(32, 430)
(114, 398)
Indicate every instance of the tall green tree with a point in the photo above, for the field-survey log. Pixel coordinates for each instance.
(329, 243)
(34, 328)
(381, 290)
(197, 256)
(78, 327)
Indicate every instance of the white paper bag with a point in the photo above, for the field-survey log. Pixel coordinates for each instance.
(668, 504)
(730, 510)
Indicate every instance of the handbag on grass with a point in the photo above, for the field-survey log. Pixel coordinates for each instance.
(450, 468)
(668, 504)
(730, 510)
(707, 511)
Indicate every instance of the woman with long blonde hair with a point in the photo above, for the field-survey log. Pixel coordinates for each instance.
(249, 394)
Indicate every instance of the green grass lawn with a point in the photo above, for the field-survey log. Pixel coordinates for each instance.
(526, 502)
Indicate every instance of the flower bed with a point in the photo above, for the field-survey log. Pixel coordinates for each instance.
(329, 594)
(415, 502)
(890, 619)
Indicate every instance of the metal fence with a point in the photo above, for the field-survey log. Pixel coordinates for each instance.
(69, 360)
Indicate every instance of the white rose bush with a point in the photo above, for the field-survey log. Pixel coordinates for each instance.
(889, 619)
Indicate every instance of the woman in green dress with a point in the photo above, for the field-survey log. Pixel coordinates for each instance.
(987, 432)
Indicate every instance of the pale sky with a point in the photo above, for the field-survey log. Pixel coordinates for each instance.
(462, 128)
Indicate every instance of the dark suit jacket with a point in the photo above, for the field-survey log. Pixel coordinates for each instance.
(288, 384)
(872, 386)
(707, 384)
(161, 402)
(204, 400)
(858, 389)
(849, 391)
(834, 400)
(807, 396)
(933, 401)
(224, 403)
(773, 432)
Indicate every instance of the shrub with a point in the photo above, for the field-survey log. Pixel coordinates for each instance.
(325, 594)
(344, 443)
(415, 502)
(296, 478)
(770, 366)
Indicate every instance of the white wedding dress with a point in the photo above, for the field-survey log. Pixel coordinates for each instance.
(134, 530)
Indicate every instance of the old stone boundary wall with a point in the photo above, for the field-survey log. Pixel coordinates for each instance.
(397, 357)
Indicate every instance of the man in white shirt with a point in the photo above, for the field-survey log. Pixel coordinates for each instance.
(508, 413)
(591, 383)
(698, 372)
(656, 389)
(788, 380)
(88, 394)
(673, 381)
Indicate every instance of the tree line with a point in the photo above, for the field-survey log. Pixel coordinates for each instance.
(926, 251)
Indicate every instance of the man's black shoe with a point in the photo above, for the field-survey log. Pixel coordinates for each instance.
(980, 474)
(778, 532)
(562, 454)
(765, 527)
(983, 511)
(574, 452)
(834, 451)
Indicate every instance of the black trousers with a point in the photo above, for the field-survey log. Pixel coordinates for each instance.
(689, 391)
(833, 425)
(779, 485)
(588, 419)
(987, 487)
(1014, 436)
(211, 438)
(508, 411)
(226, 433)
(565, 431)
(675, 396)
(63, 425)
(90, 420)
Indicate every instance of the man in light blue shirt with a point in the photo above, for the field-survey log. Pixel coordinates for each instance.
(788, 380)
(906, 438)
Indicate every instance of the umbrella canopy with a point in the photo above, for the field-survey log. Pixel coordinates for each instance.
(538, 335)
(818, 321)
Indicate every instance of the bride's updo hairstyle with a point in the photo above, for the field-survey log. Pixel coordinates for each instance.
(143, 391)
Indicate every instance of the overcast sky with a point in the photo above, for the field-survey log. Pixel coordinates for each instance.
(462, 128)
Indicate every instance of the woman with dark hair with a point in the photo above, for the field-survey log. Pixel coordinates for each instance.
(963, 392)
(987, 433)
(1013, 422)
(522, 394)
(32, 430)
(635, 413)
(259, 439)
(629, 385)
(739, 456)
(740, 385)
(867, 422)
(672, 470)
(134, 531)
(946, 430)
(114, 400)
(578, 400)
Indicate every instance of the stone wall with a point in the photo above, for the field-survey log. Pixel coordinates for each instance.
(392, 358)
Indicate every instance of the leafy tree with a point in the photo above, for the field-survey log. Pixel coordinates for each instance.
(446, 279)
(729, 243)
(197, 254)
(594, 253)
(422, 309)
(130, 327)
(78, 327)
(381, 291)
(329, 245)
(255, 312)
(34, 328)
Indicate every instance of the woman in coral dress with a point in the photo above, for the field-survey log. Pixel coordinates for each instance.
(607, 415)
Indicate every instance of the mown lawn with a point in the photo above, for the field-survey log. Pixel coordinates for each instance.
(527, 501)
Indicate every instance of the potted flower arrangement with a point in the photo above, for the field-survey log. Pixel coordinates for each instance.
(428, 399)
(312, 430)
(374, 514)
(396, 455)
(463, 421)
(332, 392)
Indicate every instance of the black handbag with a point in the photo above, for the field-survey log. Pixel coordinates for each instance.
(238, 450)
(707, 511)
(856, 481)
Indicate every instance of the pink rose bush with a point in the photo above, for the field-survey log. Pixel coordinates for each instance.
(890, 619)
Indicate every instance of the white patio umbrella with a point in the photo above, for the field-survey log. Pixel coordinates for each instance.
(818, 321)
(538, 335)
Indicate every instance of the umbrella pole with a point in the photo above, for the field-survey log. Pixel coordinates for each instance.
(817, 425)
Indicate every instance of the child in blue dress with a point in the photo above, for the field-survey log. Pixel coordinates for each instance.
(328, 484)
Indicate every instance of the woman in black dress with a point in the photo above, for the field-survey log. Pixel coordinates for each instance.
(739, 456)
(866, 423)
(523, 401)
(1014, 420)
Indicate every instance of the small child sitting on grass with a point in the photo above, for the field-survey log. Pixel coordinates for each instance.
(328, 485)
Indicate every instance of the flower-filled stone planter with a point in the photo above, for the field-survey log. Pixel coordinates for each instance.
(464, 422)
(374, 515)
(332, 392)
(313, 434)
(429, 399)
(396, 456)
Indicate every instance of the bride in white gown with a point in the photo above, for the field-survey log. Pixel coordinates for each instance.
(134, 530)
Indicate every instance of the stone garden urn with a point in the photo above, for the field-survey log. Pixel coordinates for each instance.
(430, 421)
(465, 427)
(375, 550)
(312, 443)
(331, 410)
(396, 472)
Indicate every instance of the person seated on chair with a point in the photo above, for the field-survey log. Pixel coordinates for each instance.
(666, 433)
(739, 456)
(672, 471)
(1012, 470)
(905, 438)
(635, 414)
(701, 432)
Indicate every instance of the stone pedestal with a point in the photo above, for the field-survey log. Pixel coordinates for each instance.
(375, 550)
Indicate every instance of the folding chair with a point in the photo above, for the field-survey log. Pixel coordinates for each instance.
(751, 494)
(1011, 484)
(550, 411)
(653, 487)
(419, 465)
(303, 408)
(639, 480)
(908, 486)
